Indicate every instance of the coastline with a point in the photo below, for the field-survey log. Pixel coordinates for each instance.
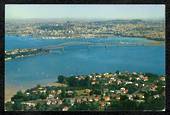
(65, 37)
(83, 91)
(11, 91)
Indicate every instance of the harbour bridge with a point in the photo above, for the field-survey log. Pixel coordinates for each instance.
(89, 44)
(67, 44)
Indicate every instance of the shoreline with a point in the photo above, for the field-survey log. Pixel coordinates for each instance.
(83, 90)
(12, 90)
(9, 92)
(54, 38)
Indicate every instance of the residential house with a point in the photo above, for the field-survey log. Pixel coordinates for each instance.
(156, 96)
(96, 98)
(50, 96)
(162, 78)
(30, 104)
(107, 98)
(153, 87)
(145, 78)
(65, 108)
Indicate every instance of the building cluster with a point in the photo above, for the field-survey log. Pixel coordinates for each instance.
(20, 53)
(103, 90)
(96, 29)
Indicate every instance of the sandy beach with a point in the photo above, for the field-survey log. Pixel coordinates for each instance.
(10, 91)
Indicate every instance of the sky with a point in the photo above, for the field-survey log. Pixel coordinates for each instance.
(15, 11)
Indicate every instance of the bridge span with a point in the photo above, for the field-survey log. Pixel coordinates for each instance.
(88, 44)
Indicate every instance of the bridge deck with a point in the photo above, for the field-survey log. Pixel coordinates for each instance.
(61, 46)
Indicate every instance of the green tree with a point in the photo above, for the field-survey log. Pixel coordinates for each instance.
(41, 107)
(43, 95)
(19, 96)
(115, 105)
(63, 94)
(72, 81)
(17, 105)
(94, 106)
(61, 79)
(9, 106)
(53, 108)
(156, 104)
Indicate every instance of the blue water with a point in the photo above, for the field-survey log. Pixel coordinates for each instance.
(42, 69)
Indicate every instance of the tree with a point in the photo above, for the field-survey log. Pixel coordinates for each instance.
(96, 91)
(94, 106)
(117, 72)
(43, 95)
(87, 81)
(115, 105)
(41, 107)
(17, 105)
(19, 96)
(82, 106)
(129, 105)
(53, 108)
(63, 94)
(156, 104)
(61, 79)
(72, 81)
(9, 106)
(38, 86)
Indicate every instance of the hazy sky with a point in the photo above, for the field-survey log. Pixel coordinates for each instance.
(85, 11)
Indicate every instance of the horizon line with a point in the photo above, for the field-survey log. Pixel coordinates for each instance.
(67, 18)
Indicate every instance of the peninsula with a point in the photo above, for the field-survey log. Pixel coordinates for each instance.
(94, 92)
(20, 53)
